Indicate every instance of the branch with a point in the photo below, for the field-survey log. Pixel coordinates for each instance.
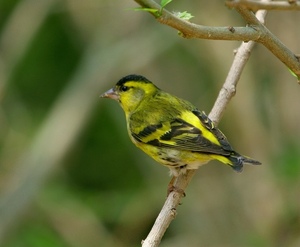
(255, 31)
(168, 212)
(191, 30)
(256, 5)
(271, 42)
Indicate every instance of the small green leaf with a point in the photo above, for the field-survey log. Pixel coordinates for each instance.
(298, 78)
(293, 73)
(156, 12)
(184, 15)
(164, 3)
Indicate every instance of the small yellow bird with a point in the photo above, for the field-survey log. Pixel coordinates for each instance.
(171, 130)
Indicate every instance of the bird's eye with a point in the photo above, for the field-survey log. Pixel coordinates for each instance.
(124, 88)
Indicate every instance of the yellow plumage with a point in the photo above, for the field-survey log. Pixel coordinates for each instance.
(171, 130)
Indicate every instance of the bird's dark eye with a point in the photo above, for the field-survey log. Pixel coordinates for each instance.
(124, 88)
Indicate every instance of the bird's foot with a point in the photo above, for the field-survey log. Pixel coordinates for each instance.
(172, 188)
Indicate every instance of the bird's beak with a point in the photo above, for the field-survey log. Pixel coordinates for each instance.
(110, 94)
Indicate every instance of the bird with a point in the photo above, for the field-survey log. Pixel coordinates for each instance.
(172, 130)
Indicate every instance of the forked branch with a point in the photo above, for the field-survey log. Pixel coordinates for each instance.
(254, 31)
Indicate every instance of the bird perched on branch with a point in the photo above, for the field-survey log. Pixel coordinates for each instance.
(171, 130)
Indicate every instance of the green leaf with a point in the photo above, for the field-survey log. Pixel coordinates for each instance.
(184, 15)
(293, 73)
(298, 78)
(164, 3)
(156, 12)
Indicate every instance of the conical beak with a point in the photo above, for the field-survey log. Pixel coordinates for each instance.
(110, 94)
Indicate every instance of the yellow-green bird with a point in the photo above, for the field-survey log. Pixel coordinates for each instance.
(171, 130)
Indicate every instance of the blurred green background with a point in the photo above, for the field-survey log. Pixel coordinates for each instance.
(69, 175)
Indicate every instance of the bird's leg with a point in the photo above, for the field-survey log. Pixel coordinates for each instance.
(172, 188)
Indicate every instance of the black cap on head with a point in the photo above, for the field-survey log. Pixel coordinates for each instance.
(133, 78)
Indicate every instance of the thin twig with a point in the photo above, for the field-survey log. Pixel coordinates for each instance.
(168, 212)
(256, 5)
(270, 41)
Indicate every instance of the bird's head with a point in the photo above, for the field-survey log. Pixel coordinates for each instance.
(130, 91)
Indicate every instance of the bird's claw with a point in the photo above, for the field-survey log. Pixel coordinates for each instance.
(172, 188)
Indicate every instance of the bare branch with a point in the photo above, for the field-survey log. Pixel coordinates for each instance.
(271, 42)
(168, 211)
(229, 87)
(256, 5)
(191, 30)
(255, 31)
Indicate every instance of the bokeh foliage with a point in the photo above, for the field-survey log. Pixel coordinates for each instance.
(97, 189)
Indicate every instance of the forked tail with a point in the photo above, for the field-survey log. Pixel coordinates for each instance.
(238, 161)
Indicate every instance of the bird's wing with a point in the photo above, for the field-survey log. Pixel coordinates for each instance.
(189, 131)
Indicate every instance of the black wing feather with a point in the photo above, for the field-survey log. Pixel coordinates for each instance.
(184, 136)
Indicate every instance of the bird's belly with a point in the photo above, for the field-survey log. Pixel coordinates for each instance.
(177, 160)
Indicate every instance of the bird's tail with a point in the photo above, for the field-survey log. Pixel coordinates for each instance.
(237, 161)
